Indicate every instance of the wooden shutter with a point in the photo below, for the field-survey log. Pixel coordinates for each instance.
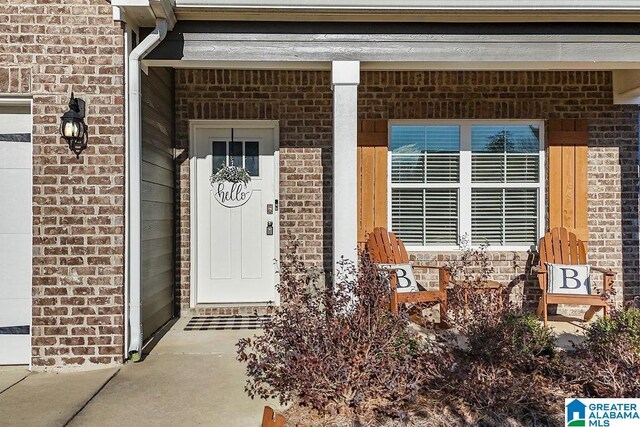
(372, 176)
(568, 160)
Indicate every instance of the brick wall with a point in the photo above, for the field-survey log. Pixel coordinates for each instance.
(302, 102)
(48, 49)
(613, 144)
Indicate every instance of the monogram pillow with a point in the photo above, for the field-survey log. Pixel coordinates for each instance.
(406, 280)
(568, 279)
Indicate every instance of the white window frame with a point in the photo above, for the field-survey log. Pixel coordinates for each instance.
(464, 186)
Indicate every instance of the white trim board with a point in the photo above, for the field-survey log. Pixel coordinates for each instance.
(632, 64)
(436, 5)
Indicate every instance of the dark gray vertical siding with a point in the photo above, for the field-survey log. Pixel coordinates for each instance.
(157, 199)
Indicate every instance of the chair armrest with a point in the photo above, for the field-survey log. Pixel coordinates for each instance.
(541, 272)
(539, 269)
(604, 271)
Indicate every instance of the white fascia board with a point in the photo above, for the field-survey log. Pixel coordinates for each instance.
(143, 13)
(130, 3)
(436, 5)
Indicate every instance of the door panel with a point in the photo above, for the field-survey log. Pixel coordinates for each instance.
(250, 229)
(220, 241)
(235, 256)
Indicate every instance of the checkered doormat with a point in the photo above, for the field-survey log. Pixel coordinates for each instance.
(218, 323)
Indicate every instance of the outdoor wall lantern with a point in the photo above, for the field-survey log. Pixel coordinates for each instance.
(72, 126)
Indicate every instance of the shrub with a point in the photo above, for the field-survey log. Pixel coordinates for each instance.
(511, 339)
(494, 395)
(500, 376)
(606, 332)
(496, 332)
(468, 300)
(335, 350)
(607, 363)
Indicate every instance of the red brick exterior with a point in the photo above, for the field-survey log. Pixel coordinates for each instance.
(613, 144)
(302, 100)
(46, 50)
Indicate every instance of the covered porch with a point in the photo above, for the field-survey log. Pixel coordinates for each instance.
(330, 93)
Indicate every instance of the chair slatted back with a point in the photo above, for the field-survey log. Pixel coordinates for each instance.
(386, 248)
(271, 419)
(561, 247)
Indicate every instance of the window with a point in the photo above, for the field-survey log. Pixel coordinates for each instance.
(480, 178)
(243, 154)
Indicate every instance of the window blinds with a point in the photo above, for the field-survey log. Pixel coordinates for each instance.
(504, 155)
(502, 183)
(424, 155)
(424, 217)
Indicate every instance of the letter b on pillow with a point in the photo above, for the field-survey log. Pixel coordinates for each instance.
(568, 279)
(406, 281)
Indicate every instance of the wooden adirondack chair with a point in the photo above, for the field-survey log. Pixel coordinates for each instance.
(271, 419)
(385, 248)
(563, 247)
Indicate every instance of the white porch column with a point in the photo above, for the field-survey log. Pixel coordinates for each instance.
(345, 77)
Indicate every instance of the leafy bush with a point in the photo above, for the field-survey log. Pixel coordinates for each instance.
(512, 338)
(336, 350)
(496, 332)
(494, 395)
(472, 267)
(607, 363)
(469, 302)
(606, 332)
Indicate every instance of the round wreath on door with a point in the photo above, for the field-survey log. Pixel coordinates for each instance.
(231, 186)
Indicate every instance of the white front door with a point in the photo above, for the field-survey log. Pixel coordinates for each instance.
(236, 247)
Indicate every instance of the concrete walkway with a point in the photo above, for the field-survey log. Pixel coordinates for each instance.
(190, 378)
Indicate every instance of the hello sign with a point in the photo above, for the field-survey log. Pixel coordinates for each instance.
(232, 194)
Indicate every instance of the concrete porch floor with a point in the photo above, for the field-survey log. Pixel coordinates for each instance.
(188, 378)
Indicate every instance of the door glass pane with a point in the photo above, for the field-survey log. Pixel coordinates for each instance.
(236, 154)
(219, 155)
(252, 158)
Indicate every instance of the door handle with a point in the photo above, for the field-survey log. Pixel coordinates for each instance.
(269, 228)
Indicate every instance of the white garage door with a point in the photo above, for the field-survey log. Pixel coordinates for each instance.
(15, 232)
